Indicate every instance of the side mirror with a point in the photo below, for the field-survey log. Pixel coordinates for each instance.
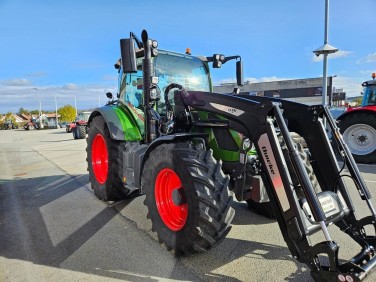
(239, 73)
(128, 56)
(109, 95)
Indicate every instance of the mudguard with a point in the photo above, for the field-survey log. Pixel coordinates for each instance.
(121, 124)
(367, 109)
(173, 138)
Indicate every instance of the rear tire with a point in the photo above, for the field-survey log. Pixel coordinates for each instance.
(265, 208)
(81, 130)
(359, 133)
(187, 198)
(105, 162)
(299, 141)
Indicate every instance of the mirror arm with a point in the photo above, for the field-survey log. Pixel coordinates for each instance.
(231, 58)
(139, 43)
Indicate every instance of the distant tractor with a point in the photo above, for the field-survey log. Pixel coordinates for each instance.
(79, 126)
(358, 125)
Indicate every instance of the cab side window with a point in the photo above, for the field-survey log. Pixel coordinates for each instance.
(131, 89)
(134, 90)
(372, 97)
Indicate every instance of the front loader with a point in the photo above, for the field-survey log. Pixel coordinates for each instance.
(190, 150)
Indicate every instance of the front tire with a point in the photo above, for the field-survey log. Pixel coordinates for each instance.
(105, 162)
(187, 198)
(74, 133)
(359, 133)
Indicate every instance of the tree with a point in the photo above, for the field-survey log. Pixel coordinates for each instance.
(9, 117)
(67, 113)
(34, 112)
(358, 101)
(22, 111)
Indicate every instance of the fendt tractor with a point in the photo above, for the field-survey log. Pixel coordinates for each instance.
(358, 125)
(189, 150)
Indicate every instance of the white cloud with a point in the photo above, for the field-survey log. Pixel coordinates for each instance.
(352, 86)
(368, 59)
(86, 96)
(16, 82)
(339, 54)
(70, 86)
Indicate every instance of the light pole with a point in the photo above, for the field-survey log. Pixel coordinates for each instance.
(75, 104)
(39, 108)
(57, 121)
(325, 50)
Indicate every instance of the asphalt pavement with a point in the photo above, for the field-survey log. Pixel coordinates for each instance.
(53, 228)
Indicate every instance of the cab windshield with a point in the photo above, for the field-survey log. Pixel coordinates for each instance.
(169, 67)
(83, 116)
(181, 69)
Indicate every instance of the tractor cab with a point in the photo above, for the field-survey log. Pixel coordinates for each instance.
(168, 67)
(166, 70)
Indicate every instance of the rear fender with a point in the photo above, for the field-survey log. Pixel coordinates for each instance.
(122, 127)
(369, 110)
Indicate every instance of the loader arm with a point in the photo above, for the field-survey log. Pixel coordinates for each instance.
(257, 118)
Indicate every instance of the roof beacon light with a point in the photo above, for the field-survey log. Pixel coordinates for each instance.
(373, 75)
(188, 51)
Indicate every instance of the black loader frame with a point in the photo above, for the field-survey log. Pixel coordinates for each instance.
(297, 220)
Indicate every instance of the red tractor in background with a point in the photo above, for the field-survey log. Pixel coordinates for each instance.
(79, 126)
(358, 125)
(70, 126)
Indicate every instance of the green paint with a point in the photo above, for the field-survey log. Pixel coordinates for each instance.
(218, 153)
(130, 127)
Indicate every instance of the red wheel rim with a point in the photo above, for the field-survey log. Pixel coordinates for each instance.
(172, 214)
(99, 158)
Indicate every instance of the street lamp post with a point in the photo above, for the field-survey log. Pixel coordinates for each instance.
(39, 108)
(325, 50)
(57, 121)
(75, 104)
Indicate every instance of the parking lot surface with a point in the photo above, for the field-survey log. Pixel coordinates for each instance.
(53, 228)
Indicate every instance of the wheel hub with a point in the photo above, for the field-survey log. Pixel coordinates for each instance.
(178, 197)
(362, 138)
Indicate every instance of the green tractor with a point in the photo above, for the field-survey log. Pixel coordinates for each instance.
(190, 150)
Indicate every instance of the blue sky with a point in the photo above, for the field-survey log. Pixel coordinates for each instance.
(67, 48)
